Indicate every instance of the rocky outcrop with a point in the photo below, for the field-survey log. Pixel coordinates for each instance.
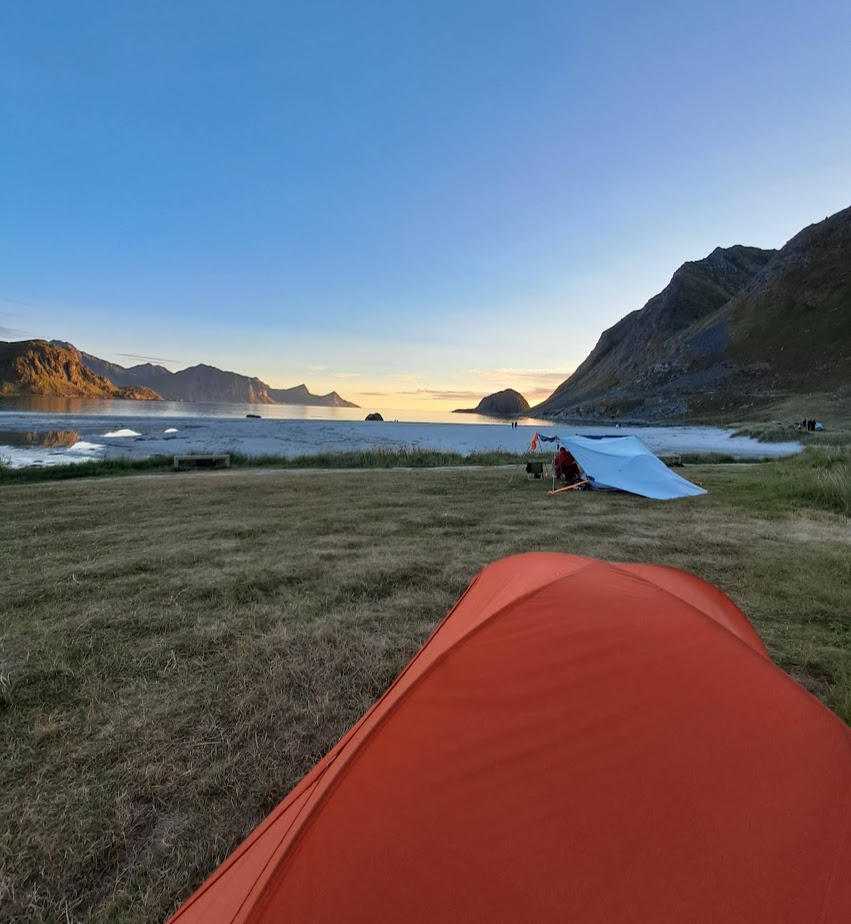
(506, 403)
(374, 416)
(42, 369)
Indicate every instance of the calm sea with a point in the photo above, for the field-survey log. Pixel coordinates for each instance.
(53, 430)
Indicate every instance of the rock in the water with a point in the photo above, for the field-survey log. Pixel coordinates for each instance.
(374, 416)
(507, 403)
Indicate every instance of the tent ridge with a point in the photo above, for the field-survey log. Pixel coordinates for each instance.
(625, 569)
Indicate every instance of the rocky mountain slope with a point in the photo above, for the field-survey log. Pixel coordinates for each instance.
(36, 367)
(741, 329)
(206, 384)
(506, 403)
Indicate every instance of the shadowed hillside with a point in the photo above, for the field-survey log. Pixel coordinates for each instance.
(742, 329)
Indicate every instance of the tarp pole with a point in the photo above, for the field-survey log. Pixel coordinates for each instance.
(570, 487)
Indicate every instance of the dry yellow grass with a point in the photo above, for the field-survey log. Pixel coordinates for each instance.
(175, 652)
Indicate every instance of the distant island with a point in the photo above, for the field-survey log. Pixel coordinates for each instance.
(58, 368)
(506, 403)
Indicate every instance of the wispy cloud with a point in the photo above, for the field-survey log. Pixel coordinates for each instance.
(436, 393)
(16, 301)
(149, 359)
(541, 378)
(397, 377)
(12, 333)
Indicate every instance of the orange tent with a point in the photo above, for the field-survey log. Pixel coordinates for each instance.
(577, 741)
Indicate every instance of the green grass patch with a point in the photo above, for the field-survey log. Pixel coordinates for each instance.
(816, 479)
(778, 432)
(379, 458)
(176, 652)
(356, 459)
(712, 458)
(92, 469)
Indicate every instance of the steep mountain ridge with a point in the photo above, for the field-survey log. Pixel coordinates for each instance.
(805, 294)
(783, 329)
(637, 343)
(36, 367)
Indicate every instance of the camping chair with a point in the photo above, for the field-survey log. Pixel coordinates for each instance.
(535, 470)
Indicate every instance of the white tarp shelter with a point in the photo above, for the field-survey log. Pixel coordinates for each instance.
(628, 464)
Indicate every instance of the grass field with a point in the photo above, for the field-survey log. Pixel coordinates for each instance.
(176, 651)
(357, 459)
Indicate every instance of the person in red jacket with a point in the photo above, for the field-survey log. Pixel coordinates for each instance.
(566, 467)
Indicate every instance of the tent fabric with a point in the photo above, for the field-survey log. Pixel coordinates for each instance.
(628, 464)
(577, 741)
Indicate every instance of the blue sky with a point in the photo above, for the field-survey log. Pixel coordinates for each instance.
(413, 203)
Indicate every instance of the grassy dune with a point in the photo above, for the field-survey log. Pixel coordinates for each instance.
(175, 652)
(354, 459)
(779, 432)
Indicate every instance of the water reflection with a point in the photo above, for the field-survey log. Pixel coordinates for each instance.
(123, 409)
(51, 439)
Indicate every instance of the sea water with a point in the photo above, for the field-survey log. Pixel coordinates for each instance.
(49, 431)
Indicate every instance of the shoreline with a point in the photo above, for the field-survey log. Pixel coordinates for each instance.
(35, 439)
(326, 464)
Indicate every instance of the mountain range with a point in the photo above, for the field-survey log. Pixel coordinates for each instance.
(740, 330)
(199, 383)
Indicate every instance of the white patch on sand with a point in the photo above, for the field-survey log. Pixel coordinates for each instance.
(123, 433)
(39, 455)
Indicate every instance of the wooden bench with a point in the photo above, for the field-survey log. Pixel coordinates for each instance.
(185, 463)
